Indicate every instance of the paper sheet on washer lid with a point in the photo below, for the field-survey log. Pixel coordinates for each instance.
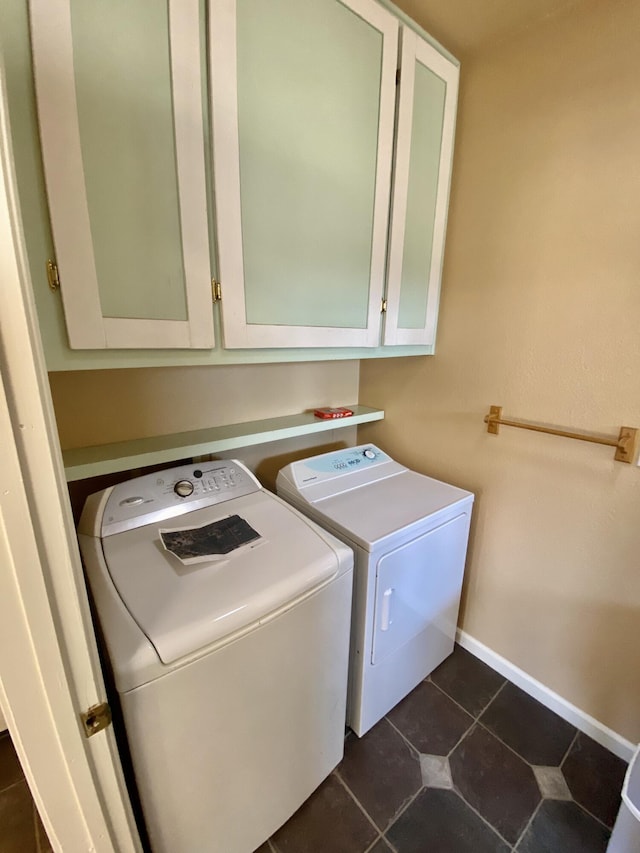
(371, 512)
(182, 609)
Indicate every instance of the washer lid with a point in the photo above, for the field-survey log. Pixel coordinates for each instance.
(370, 513)
(183, 608)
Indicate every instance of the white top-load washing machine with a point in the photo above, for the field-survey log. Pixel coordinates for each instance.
(231, 661)
(409, 534)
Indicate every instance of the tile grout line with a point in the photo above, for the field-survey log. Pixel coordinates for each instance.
(477, 721)
(542, 797)
(375, 842)
(476, 718)
(494, 697)
(414, 748)
(401, 811)
(404, 738)
(595, 817)
(486, 728)
(358, 803)
(460, 739)
(455, 701)
(524, 760)
(396, 816)
(569, 748)
(515, 752)
(573, 799)
(404, 807)
(455, 789)
(474, 721)
(391, 846)
(451, 699)
(528, 824)
(482, 818)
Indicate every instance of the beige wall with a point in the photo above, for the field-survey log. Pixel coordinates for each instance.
(104, 406)
(541, 314)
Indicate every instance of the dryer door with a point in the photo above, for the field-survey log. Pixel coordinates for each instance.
(418, 587)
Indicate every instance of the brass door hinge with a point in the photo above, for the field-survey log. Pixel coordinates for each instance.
(383, 307)
(216, 290)
(52, 275)
(96, 718)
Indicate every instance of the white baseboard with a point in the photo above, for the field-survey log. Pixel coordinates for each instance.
(598, 731)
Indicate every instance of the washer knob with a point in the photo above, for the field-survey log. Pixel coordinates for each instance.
(183, 488)
(369, 453)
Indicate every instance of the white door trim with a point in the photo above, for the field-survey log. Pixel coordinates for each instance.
(49, 666)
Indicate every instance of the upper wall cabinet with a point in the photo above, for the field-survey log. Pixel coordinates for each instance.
(302, 101)
(120, 107)
(331, 172)
(425, 127)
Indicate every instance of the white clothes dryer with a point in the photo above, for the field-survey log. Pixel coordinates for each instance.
(230, 660)
(409, 533)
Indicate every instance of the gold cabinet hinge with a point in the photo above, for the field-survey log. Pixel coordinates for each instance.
(96, 718)
(52, 275)
(383, 307)
(216, 290)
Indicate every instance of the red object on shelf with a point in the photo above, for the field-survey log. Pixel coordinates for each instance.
(327, 414)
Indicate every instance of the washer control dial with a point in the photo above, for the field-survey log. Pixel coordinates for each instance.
(369, 453)
(183, 488)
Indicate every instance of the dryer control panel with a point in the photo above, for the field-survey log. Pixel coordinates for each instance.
(165, 494)
(329, 466)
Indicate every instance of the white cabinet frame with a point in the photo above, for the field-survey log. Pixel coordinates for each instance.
(414, 49)
(60, 135)
(226, 159)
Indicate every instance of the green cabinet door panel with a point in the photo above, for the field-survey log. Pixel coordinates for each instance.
(122, 78)
(309, 76)
(424, 166)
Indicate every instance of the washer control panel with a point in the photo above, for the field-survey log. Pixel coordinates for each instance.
(175, 491)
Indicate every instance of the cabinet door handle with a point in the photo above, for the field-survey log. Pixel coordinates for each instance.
(385, 620)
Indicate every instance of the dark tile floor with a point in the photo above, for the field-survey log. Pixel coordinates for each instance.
(21, 830)
(467, 763)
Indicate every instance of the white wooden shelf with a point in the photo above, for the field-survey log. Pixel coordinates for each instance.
(83, 462)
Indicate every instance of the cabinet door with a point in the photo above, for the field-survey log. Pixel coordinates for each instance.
(120, 107)
(303, 105)
(422, 172)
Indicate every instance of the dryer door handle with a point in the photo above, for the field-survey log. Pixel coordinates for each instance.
(385, 615)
